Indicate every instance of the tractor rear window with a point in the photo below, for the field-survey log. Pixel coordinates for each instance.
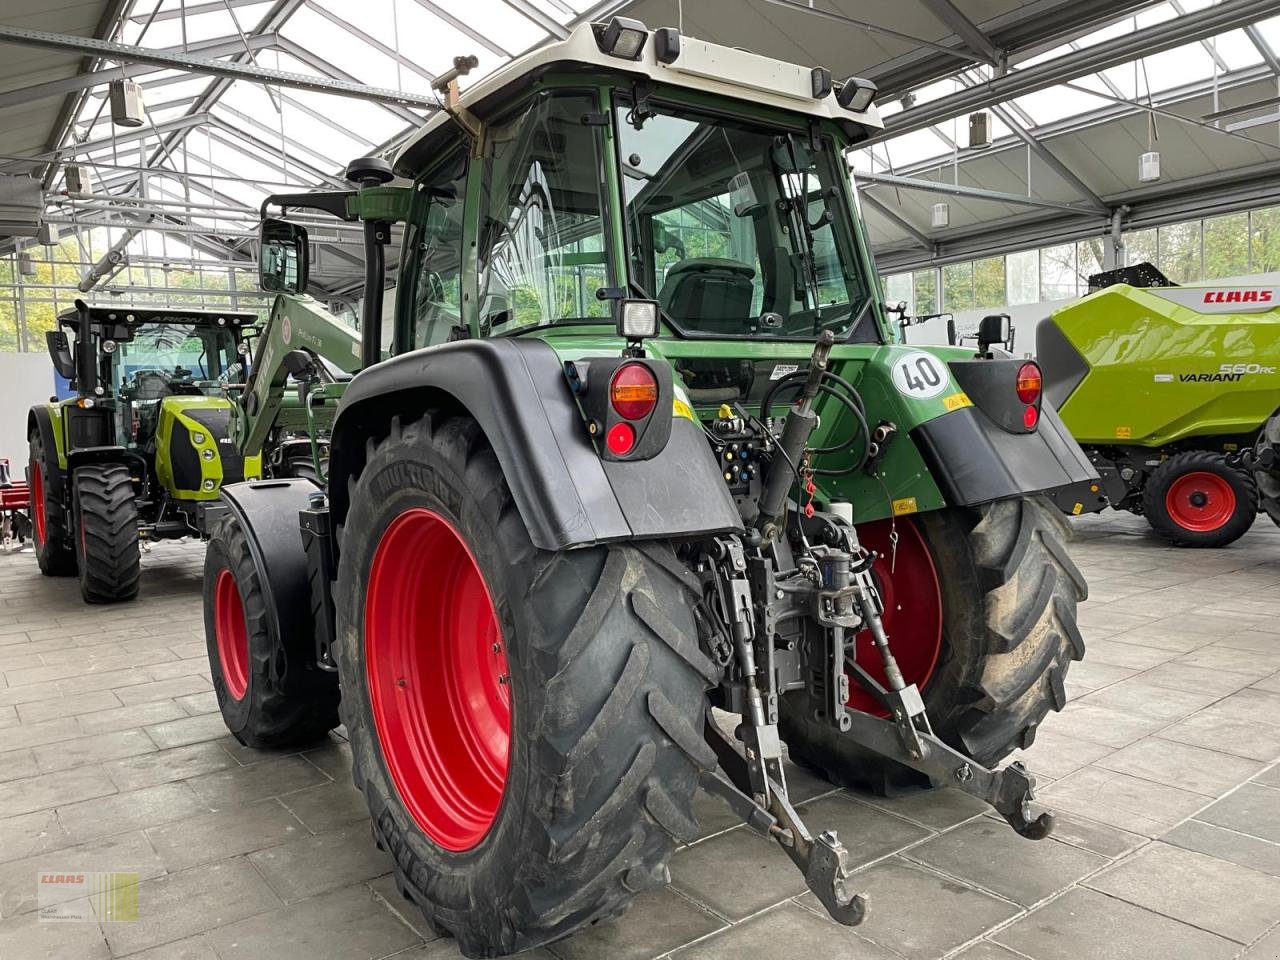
(737, 230)
(542, 253)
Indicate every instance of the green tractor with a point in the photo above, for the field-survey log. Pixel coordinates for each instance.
(1165, 386)
(645, 446)
(142, 449)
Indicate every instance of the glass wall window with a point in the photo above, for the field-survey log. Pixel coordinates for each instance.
(1264, 240)
(1181, 254)
(1022, 277)
(1058, 277)
(989, 283)
(1226, 246)
(1140, 246)
(957, 286)
(925, 286)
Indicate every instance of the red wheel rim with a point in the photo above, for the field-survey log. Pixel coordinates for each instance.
(37, 503)
(912, 610)
(439, 684)
(1200, 501)
(231, 633)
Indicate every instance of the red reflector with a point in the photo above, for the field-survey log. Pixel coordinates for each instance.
(1029, 383)
(620, 439)
(633, 391)
(1030, 417)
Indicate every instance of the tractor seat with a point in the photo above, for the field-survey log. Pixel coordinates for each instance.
(709, 293)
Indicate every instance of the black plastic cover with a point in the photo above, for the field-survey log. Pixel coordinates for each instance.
(993, 387)
(974, 461)
(567, 496)
(1061, 364)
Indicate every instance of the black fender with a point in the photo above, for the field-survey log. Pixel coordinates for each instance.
(975, 460)
(39, 421)
(567, 496)
(268, 511)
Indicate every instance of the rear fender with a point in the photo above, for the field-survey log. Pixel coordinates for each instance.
(566, 494)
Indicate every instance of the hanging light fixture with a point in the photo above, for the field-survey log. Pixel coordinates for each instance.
(1149, 167)
(979, 130)
(26, 265)
(127, 109)
(941, 215)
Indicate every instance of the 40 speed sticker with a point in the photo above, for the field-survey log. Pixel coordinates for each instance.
(920, 376)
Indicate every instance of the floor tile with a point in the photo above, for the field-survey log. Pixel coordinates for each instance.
(654, 924)
(308, 865)
(1181, 765)
(785, 931)
(866, 832)
(269, 779)
(956, 913)
(763, 873)
(350, 923)
(990, 855)
(167, 765)
(1212, 894)
(133, 810)
(935, 809)
(229, 832)
(1083, 924)
(1242, 738)
(26, 937)
(179, 905)
(1253, 809)
(31, 833)
(1120, 800)
(1207, 838)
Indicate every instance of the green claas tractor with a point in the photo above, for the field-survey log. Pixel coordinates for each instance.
(141, 449)
(1164, 386)
(159, 423)
(645, 446)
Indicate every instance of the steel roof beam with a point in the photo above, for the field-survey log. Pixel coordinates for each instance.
(897, 220)
(954, 20)
(463, 28)
(227, 69)
(269, 149)
(528, 10)
(1265, 50)
(372, 41)
(1050, 159)
(1228, 15)
(192, 10)
(316, 62)
(971, 193)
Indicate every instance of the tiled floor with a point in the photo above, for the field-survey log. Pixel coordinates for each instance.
(1163, 769)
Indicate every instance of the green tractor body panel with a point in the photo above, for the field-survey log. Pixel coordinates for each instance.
(54, 411)
(1153, 366)
(869, 367)
(194, 453)
(297, 323)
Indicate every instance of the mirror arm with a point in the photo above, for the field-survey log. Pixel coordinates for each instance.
(330, 201)
(377, 234)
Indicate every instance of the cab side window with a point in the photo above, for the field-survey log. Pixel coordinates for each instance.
(436, 313)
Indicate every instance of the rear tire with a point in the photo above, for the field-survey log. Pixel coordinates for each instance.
(1009, 593)
(55, 548)
(271, 693)
(1269, 480)
(575, 810)
(107, 549)
(1194, 499)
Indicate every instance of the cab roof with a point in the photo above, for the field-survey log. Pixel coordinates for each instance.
(706, 67)
(130, 314)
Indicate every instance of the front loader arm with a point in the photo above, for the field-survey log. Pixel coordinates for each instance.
(297, 323)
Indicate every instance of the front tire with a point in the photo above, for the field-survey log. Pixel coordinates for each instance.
(107, 549)
(1195, 499)
(270, 691)
(525, 725)
(1008, 593)
(1268, 480)
(55, 549)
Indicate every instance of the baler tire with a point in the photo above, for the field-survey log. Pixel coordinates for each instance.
(1156, 495)
(56, 552)
(607, 695)
(1009, 595)
(107, 550)
(1268, 481)
(272, 695)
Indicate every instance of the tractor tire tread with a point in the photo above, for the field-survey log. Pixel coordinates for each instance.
(111, 558)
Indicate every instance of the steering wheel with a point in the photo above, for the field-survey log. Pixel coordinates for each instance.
(151, 383)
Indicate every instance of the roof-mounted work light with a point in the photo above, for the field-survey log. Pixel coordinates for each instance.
(621, 37)
(856, 94)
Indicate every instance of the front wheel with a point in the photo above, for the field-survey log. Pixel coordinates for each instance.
(526, 726)
(269, 689)
(1196, 499)
(55, 550)
(107, 550)
(980, 609)
(1268, 478)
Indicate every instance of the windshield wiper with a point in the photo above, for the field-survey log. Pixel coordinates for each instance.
(804, 235)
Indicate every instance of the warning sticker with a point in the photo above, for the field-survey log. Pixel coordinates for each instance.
(1124, 433)
(904, 506)
(957, 401)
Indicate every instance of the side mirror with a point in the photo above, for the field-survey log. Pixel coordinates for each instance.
(60, 354)
(993, 329)
(283, 257)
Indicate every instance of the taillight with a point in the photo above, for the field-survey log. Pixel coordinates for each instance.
(633, 393)
(1030, 417)
(1029, 383)
(620, 439)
